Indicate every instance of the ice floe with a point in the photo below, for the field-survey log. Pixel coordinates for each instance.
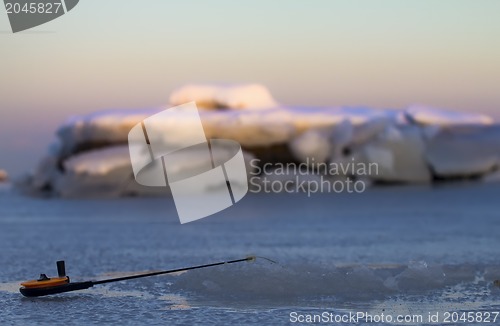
(418, 144)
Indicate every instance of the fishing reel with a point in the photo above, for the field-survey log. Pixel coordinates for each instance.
(45, 282)
(51, 285)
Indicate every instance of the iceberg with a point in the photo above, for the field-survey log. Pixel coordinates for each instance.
(418, 144)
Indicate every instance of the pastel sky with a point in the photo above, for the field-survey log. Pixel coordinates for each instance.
(120, 54)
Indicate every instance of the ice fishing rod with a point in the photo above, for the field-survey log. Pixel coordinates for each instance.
(47, 286)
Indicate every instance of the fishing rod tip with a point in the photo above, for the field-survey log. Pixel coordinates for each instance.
(251, 258)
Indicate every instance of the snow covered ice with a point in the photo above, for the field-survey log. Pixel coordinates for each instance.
(418, 144)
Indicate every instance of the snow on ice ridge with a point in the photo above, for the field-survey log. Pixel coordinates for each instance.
(432, 116)
(247, 96)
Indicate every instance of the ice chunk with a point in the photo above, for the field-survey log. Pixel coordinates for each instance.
(305, 118)
(433, 116)
(464, 152)
(46, 172)
(250, 128)
(98, 162)
(99, 129)
(100, 173)
(399, 154)
(312, 144)
(494, 177)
